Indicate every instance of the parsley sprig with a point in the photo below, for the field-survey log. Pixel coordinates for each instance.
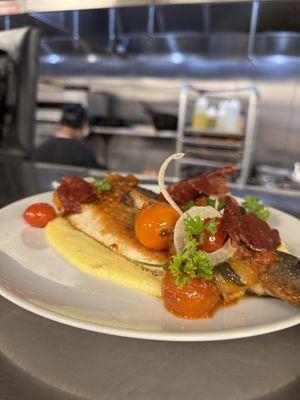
(102, 185)
(196, 226)
(254, 205)
(191, 262)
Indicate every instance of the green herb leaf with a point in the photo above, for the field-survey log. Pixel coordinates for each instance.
(189, 205)
(254, 205)
(192, 263)
(212, 226)
(195, 226)
(189, 264)
(218, 205)
(221, 205)
(102, 185)
(211, 202)
(148, 264)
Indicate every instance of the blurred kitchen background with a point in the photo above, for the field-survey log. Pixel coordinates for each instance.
(217, 80)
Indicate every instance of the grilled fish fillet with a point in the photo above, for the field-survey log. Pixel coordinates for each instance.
(112, 224)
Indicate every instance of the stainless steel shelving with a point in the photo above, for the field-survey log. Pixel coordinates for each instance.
(31, 6)
(209, 145)
(205, 163)
(147, 133)
(213, 143)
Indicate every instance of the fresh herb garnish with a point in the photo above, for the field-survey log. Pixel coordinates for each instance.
(102, 185)
(191, 262)
(148, 264)
(211, 202)
(254, 205)
(189, 205)
(218, 205)
(221, 205)
(195, 226)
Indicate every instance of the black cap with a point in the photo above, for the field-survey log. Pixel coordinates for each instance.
(74, 116)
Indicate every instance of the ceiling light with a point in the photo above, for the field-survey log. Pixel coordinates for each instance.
(91, 58)
(54, 58)
(176, 57)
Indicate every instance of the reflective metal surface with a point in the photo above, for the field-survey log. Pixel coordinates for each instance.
(146, 53)
(19, 6)
(43, 359)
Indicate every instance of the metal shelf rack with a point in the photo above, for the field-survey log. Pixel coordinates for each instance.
(205, 147)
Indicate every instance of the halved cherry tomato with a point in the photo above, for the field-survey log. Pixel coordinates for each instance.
(213, 242)
(195, 299)
(39, 214)
(154, 225)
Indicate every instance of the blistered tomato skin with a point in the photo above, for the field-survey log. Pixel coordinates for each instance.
(39, 214)
(213, 242)
(154, 225)
(195, 299)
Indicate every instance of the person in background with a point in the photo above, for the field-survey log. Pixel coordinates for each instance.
(67, 146)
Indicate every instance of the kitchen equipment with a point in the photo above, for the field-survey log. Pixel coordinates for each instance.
(208, 156)
(199, 114)
(161, 121)
(98, 120)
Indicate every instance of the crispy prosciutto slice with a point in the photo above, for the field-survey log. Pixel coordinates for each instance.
(211, 183)
(72, 192)
(248, 228)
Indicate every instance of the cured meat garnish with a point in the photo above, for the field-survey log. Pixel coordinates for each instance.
(72, 192)
(182, 192)
(257, 233)
(211, 183)
(248, 228)
(232, 217)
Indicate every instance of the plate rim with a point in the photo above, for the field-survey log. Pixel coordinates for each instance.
(149, 335)
(173, 336)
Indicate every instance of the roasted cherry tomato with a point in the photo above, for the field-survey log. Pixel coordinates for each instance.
(195, 299)
(213, 242)
(39, 214)
(154, 225)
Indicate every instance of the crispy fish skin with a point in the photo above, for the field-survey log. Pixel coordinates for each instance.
(141, 196)
(281, 279)
(112, 224)
(275, 274)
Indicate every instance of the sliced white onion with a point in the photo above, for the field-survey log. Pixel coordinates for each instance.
(89, 179)
(216, 257)
(203, 212)
(161, 180)
(55, 185)
(222, 254)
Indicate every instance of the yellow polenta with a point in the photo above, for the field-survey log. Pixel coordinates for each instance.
(90, 256)
(283, 248)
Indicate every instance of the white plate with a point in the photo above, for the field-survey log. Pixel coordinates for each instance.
(37, 279)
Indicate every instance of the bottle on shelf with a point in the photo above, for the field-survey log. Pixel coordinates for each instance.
(233, 110)
(211, 117)
(221, 116)
(242, 122)
(199, 115)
